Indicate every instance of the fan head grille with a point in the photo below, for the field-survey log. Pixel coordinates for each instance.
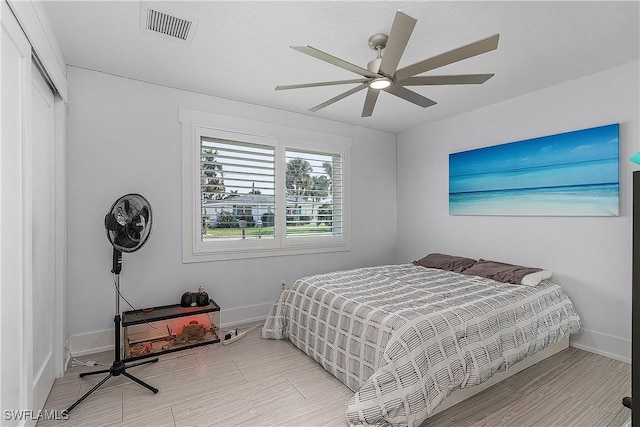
(128, 222)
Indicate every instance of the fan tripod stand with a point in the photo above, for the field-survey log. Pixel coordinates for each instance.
(118, 367)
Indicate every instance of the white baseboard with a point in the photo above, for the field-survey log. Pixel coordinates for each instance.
(95, 342)
(98, 341)
(603, 344)
(67, 354)
(91, 342)
(244, 315)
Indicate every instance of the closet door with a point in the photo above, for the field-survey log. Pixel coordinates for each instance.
(30, 303)
(14, 246)
(43, 225)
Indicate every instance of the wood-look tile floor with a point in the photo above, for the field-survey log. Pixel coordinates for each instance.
(257, 382)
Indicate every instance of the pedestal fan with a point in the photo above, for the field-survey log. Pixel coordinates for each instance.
(128, 226)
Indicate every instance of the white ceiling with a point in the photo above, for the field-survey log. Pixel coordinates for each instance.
(240, 49)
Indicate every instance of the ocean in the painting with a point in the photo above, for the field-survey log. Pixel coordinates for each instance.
(567, 174)
(587, 200)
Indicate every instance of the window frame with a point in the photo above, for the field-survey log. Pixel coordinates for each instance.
(195, 125)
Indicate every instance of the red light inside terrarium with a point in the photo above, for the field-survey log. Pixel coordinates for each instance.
(169, 335)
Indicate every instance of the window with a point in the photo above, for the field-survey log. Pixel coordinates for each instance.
(237, 189)
(314, 194)
(253, 189)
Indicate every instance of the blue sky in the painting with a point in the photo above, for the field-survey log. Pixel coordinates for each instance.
(583, 157)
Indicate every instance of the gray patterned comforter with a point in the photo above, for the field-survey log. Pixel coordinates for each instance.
(403, 337)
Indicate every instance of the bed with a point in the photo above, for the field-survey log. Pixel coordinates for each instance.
(404, 337)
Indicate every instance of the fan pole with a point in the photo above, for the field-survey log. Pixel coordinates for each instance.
(117, 320)
(118, 367)
(117, 268)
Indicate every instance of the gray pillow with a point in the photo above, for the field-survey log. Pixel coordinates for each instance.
(500, 271)
(446, 262)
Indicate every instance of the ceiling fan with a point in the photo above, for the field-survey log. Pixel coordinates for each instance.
(382, 73)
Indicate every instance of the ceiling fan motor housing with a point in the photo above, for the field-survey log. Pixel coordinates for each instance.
(374, 65)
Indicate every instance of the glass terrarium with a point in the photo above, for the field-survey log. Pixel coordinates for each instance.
(152, 331)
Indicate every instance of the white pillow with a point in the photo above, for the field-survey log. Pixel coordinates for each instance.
(532, 279)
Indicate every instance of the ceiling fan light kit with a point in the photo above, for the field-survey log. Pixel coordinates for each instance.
(382, 73)
(380, 83)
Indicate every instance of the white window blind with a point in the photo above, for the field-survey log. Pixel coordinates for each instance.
(237, 190)
(314, 194)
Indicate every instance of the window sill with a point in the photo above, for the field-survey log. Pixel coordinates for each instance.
(190, 256)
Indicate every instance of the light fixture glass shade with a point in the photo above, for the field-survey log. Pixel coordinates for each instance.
(380, 83)
(635, 158)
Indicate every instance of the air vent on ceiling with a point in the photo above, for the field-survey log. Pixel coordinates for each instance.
(167, 24)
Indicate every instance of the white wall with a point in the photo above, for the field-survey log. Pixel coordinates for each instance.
(590, 256)
(123, 137)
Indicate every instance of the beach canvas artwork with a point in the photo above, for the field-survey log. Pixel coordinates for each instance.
(569, 174)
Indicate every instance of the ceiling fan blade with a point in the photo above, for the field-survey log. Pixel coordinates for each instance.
(476, 48)
(339, 97)
(461, 79)
(337, 82)
(370, 102)
(411, 96)
(401, 30)
(312, 51)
